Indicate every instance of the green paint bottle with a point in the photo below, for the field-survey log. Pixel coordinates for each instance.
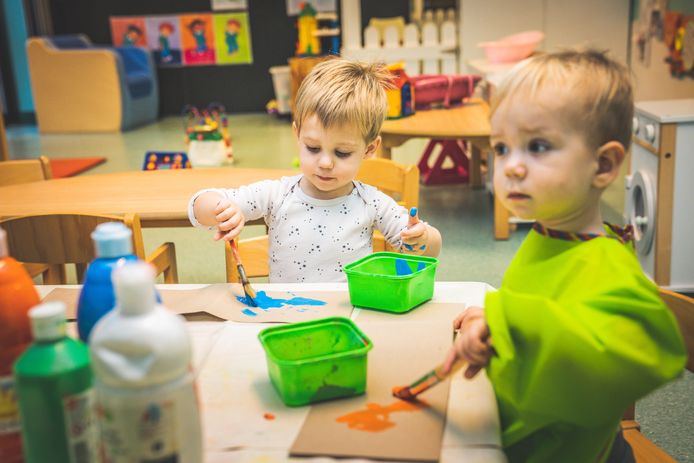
(53, 381)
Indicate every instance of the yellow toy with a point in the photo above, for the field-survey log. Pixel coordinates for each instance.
(207, 135)
(308, 44)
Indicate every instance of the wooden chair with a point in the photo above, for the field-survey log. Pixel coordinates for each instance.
(646, 451)
(58, 239)
(24, 171)
(399, 181)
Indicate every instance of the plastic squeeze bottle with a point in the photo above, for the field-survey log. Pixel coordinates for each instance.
(54, 388)
(17, 296)
(146, 399)
(113, 245)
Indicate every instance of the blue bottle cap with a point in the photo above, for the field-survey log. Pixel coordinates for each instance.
(112, 239)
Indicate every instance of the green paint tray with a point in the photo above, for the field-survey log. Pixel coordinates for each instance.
(377, 282)
(316, 360)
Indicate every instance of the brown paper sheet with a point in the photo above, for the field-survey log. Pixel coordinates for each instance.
(218, 302)
(401, 354)
(69, 296)
(429, 311)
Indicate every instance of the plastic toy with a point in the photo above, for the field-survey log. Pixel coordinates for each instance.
(308, 44)
(401, 96)
(207, 135)
(164, 160)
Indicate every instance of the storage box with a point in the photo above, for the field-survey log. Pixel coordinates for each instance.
(378, 281)
(433, 90)
(316, 360)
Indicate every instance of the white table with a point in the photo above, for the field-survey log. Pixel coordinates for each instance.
(234, 389)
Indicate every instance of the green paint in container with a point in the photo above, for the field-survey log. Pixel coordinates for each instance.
(390, 281)
(317, 360)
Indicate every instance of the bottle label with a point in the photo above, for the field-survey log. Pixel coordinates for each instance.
(80, 426)
(139, 430)
(9, 411)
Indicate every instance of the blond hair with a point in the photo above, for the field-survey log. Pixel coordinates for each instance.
(339, 91)
(599, 88)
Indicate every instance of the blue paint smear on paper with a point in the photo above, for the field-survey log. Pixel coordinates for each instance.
(266, 302)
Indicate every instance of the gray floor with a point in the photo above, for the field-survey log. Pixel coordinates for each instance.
(464, 217)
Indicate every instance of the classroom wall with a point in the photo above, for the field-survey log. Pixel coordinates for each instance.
(241, 88)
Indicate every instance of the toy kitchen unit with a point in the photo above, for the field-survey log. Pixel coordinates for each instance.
(659, 200)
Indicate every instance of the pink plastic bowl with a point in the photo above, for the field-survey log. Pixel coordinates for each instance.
(513, 47)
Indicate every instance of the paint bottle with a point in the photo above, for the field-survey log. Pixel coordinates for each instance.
(146, 401)
(55, 394)
(17, 296)
(113, 245)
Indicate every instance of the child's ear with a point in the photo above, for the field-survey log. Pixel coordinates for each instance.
(295, 129)
(610, 157)
(372, 148)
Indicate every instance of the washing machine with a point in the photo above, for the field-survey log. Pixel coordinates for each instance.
(659, 200)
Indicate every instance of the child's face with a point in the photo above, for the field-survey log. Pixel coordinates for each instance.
(330, 158)
(544, 168)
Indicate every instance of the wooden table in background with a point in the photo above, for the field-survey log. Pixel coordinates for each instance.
(469, 122)
(159, 197)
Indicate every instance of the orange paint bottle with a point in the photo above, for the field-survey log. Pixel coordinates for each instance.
(17, 296)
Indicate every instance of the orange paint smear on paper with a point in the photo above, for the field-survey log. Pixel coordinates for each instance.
(376, 418)
(269, 416)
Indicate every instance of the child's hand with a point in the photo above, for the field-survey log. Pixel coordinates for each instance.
(230, 220)
(473, 343)
(416, 236)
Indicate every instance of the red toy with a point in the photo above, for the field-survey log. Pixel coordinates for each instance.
(433, 90)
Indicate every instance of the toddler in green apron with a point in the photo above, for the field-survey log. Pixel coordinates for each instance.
(577, 332)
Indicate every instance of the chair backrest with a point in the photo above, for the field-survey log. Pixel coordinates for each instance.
(59, 239)
(24, 171)
(683, 309)
(396, 180)
(399, 181)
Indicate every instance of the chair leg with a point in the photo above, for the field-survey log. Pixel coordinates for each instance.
(55, 275)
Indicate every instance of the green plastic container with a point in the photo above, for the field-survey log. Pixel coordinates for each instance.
(316, 360)
(375, 282)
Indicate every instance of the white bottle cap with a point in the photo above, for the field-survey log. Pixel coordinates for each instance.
(112, 239)
(4, 252)
(48, 321)
(134, 284)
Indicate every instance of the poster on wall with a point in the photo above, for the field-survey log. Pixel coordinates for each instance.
(129, 32)
(198, 39)
(321, 6)
(233, 38)
(218, 5)
(164, 39)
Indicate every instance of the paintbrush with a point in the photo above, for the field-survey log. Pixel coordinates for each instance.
(247, 289)
(426, 382)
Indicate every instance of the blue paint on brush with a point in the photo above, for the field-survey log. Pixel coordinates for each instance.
(265, 302)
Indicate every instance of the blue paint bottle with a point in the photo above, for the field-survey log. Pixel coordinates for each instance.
(114, 247)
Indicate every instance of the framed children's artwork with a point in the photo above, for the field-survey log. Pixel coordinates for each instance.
(164, 39)
(198, 39)
(218, 5)
(233, 38)
(128, 32)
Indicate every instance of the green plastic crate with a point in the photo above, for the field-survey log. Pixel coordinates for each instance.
(316, 360)
(374, 282)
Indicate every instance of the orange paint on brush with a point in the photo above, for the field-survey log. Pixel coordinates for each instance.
(376, 418)
(269, 416)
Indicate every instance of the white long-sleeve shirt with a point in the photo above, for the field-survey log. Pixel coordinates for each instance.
(311, 240)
